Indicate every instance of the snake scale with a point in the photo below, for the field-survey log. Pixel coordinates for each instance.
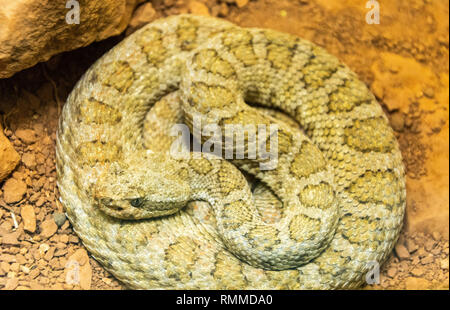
(332, 206)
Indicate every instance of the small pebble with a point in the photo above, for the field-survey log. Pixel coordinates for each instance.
(402, 252)
(417, 272)
(436, 236)
(14, 190)
(427, 260)
(48, 228)
(392, 272)
(11, 284)
(444, 264)
(428, 92)
(28, 218)
(421, 252)
(198, 8)
(411, 246)
(27, 136)
(60, 218)
(241, 3)
(429, 245)
(398, 121)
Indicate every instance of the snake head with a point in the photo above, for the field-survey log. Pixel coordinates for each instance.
(145, 188)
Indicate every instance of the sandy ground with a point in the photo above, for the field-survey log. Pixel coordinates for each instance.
(404, 60)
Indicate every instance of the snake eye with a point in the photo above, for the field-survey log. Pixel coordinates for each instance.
(137, 202)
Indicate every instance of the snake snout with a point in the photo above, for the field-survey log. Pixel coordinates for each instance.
(110, 206)
(106, 201)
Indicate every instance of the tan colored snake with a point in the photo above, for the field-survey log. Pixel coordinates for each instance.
(331, 208)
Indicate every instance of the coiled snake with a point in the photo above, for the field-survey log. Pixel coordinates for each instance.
(332, 206)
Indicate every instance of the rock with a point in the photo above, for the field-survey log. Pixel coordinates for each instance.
(44, 247)
(20, 258)
(9, 158)
(427, 260)
(10, 239)
(402, 252)
(15, 267)
(411, 246)
(49, 254)
(223, 9)
(73, 239)
(5, 266)
(36, 286)
(436, 251)
(78, 270)
(60, 245)
(32, 32)
(28, 218)
(444, 264)
(11, 284)
(241, 3)
(107, 281)
(47, 140)
(64, 238)
(436, 235)
(392, 272)
(429, 92)
(413, 283)
(8, 258)
(398, 121)
(144, 14)
(29, 160)
(429, 245)
(421, 252)
(5, 227)
(40, 201)
(65, 225)
(378, 90)
(394, 68)
(34, 273)
(60, 252)
(13, 190)
(48, 228)
(27, 136)
(198, 8)
(417, 272)
(59, 218)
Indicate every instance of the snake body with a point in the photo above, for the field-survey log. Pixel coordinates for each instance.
(331, 208)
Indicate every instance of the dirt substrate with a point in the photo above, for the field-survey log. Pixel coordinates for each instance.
(404, 60)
